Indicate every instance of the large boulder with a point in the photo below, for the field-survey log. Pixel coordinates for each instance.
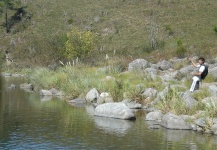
(114, 110)
(201, 122)
(92, 95)
(188, 99)
(214, 129)
(45, 93)
(27, 86)
(187, 70)
(151, 71)
(138, 65)
(134, 105)
(213, 72)
(212, 89)
(212, 65)
(55, 92)
(210, 101)
(164, 65)
(154, 116)
(172, 121)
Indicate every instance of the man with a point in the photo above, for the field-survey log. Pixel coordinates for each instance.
(197, 75)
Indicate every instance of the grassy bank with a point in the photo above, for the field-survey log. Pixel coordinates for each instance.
(77, 81)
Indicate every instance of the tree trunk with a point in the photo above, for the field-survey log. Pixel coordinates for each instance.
(6, 19)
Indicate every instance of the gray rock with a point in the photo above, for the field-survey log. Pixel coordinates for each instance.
(162, 94)
(156, 115)
(210, 101)
(92, 95)
(166, 78)
(176, 60)
(164, 65)
(17, 75)
(188, 99)
(213, 90)
(127, 101)
(187, 117)
(54, 91)
(154, 66)
(45, 93)
(187, 70)
(214, 129)
(194, 127)
(172, 121)
(212, 65)
(151, 71)
(114, 110)
(138, 65)
(12, 86)
(213, 72)
(200, 122)
(134, 105)
(150, 92)
(27, 87)
(6, 74)
(214, 120)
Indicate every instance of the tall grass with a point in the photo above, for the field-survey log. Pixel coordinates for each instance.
(78, 80)
(172, 102)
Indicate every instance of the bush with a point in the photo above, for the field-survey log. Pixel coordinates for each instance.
(215, 29)
(181, 50)
(78, 44)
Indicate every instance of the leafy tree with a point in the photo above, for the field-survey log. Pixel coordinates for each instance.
(79, 43)
(5, 5)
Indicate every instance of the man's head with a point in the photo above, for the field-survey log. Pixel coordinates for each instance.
(201, 60)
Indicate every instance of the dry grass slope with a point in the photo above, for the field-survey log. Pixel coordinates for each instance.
(123, 26)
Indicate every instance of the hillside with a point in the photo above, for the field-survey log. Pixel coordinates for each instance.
(125, 27)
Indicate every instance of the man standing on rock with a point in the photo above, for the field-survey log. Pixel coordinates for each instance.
(197, 75)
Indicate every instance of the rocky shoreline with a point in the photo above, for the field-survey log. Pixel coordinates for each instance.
(166, 72)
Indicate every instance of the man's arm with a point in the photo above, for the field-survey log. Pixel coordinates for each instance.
(195, 65)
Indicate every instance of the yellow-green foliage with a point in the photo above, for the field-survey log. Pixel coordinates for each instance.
(78, 44)
(203, 93)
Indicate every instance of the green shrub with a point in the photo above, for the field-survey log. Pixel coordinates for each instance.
(181, 50)
(215, 29)
(79, 43)
(169, 29)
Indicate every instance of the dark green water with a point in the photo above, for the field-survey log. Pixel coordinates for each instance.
(29, 122)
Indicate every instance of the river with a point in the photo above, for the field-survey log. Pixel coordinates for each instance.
(30, 122)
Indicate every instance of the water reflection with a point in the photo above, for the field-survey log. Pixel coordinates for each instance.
(113, 126)
(29, 122)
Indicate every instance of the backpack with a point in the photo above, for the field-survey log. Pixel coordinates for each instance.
(204, 73)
